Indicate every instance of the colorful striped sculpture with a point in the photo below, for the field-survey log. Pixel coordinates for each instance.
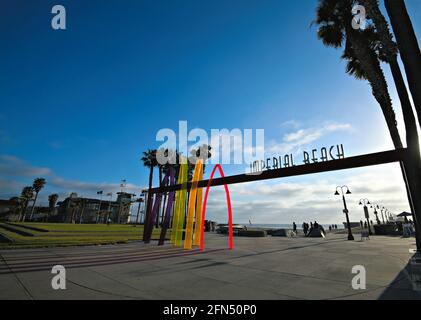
(194, 225)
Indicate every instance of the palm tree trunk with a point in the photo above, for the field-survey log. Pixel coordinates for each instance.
(412, 170)
(408, 47)
(148, 204)
(33, 206)
(375, 76)
(413, 167)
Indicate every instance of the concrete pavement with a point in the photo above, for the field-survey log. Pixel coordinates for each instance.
(257, 268)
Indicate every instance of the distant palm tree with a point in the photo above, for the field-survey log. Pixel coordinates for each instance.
(26, 195)
(149, 160)
(38, 184)
(52, 200)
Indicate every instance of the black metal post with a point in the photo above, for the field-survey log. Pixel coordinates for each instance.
(350, 236)
(368, 220)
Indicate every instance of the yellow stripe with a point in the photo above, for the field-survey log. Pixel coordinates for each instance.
(192, 200)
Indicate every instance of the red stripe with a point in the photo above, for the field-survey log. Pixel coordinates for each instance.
(227, 193)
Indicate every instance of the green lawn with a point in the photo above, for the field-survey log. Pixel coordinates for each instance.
(65, 234)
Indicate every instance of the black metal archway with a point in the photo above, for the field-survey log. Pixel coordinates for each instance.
(333, 165)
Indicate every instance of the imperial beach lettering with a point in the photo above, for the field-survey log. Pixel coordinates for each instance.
(334, 152)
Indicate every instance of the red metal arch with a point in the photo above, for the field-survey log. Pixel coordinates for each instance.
(227, 194)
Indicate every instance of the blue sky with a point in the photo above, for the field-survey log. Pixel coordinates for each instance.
(79, 106)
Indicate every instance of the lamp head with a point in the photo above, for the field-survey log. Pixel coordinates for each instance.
(336, 193)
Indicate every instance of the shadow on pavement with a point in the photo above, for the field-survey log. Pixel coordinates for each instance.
(401, 288)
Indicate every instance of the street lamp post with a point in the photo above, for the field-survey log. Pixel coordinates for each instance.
(381, 210)
(350, 236)
(389, 214)
(375, 207)
(365, 202)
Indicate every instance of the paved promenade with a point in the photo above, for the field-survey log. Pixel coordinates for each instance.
(258, 268)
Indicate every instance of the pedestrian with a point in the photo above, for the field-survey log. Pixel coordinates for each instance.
(294, 227)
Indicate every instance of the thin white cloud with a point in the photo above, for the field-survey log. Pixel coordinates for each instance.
(13, 166)
(294, 141)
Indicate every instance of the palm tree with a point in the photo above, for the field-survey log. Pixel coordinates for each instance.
(26, 195)
(52, 200)
(408, 45)
(387, 51)
(364, 49)
(38, 184)
(149, 160)
(335, 30)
